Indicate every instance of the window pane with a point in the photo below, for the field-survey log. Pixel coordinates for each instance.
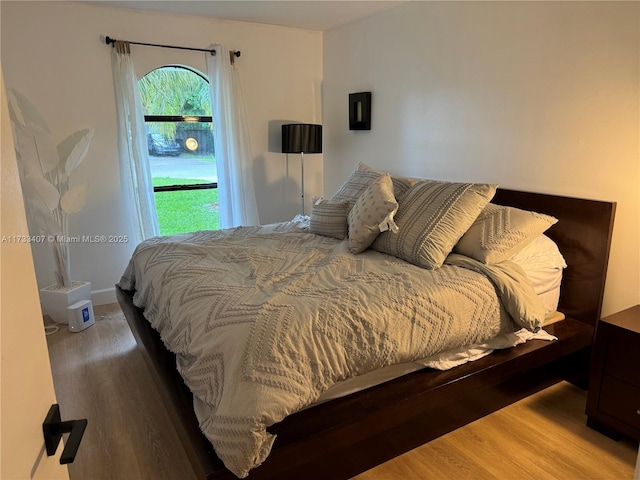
(181, 150)
(174, 91)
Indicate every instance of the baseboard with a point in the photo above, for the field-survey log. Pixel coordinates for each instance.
(104, 296)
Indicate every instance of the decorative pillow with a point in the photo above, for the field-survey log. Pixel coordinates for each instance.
(356, 184)
(500, 232)
(400, 184)
(329, 218)
(373, 213)
(431, 218)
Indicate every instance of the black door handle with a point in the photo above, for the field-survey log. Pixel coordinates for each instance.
(53, 429)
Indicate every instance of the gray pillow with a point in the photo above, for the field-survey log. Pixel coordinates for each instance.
(329, 218)
(356, 184)
(500, 232)
(400, 184)
(372, 214)
(431, 218)
(363, 176)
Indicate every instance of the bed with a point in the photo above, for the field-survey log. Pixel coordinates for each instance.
(342, 437)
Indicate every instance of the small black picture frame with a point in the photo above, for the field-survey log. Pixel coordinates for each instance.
(360, 111)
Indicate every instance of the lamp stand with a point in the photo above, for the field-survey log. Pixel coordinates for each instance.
(301, 138)
(302, 178)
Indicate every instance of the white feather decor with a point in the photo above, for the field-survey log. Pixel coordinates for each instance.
(45, 172)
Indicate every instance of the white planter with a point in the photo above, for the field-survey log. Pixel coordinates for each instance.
(55, 299)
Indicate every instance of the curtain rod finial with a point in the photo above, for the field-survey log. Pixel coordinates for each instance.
(108, 40)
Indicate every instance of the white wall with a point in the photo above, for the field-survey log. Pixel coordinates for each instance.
(52, 52)
(538, 96)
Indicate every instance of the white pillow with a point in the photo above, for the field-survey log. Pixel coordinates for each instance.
(542, 262)
(541, 252)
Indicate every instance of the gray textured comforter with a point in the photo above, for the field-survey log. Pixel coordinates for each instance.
(264, 319)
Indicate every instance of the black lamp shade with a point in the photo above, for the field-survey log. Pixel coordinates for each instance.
(301, 138)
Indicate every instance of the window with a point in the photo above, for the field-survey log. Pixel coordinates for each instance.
(177, 105)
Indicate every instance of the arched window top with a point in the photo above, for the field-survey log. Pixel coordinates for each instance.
(175, 90)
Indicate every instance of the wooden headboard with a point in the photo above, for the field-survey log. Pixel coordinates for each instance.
(586, 254)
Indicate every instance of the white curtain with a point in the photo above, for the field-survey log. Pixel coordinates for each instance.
(135, 172)
(236, 195)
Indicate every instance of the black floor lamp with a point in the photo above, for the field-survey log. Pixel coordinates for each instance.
(302, 138)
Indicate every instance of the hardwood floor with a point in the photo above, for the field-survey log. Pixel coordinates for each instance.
(542, 437)
(100, 375)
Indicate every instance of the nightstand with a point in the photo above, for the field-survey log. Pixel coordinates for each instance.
(613, 400)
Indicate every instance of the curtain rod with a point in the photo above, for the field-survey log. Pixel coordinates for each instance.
(109, 41)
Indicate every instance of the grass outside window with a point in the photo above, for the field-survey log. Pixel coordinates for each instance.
(187, 210)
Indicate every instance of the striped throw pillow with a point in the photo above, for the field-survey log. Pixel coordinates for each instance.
(431, 218)
(329, 218)
(356, 184)
(400, 184)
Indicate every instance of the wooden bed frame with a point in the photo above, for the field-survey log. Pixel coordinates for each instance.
(349, 435)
